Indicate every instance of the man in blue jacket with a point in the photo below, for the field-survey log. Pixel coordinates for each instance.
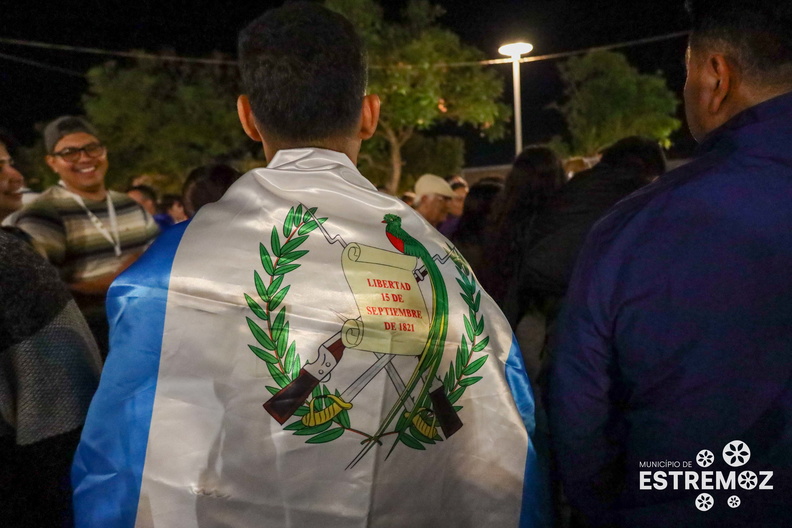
(671, 394)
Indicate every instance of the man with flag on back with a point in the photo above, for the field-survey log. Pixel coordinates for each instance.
(307, 351)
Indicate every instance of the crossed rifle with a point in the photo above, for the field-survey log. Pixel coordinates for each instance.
(285, 402)
(282, 405)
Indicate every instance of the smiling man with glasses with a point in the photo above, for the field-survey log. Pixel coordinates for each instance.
(88, 232)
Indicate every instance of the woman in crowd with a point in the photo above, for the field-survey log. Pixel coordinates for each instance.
(470, 234)
(537, 173)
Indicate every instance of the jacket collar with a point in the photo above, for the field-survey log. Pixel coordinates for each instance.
(736, 130)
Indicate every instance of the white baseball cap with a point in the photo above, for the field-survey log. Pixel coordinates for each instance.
(431, 184)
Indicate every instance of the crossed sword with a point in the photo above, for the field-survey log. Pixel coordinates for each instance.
(285, 402)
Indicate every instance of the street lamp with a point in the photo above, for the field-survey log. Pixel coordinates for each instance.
(515, 50)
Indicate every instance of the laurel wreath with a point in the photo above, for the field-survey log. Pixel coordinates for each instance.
(284, 363)
(279, 354)
(460, 373)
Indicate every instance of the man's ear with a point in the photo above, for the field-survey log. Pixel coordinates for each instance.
(369, 116)
(51, 162)
(245, 114)
(723, 79)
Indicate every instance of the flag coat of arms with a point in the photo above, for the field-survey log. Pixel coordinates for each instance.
(308, 352)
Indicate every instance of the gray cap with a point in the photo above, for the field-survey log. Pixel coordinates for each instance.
(63, 126)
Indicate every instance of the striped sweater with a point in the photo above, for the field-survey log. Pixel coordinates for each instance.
(63, 232)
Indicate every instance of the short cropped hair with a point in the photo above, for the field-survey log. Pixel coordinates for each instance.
(303, 68)
(7, 140)
(167, 201)
(146, 190)
(758, 33)
(206, 184)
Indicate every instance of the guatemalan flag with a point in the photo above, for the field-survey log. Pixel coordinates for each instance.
(308, 352)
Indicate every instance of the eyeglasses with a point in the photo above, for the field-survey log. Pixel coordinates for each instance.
(72, 154)
(6, 161)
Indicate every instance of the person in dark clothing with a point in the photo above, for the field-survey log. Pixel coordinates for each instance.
(549, 250)
(536, 175)
(49, 370)
(559, 231)
(674, 340)
(469, 236)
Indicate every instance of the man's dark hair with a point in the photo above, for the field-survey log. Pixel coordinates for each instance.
(303, 68)
(206, 184)
(167, 201)
(7, 140)
(758, 33)
(640, 154)
(146, 191)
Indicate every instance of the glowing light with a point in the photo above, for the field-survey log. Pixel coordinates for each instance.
(515, 49)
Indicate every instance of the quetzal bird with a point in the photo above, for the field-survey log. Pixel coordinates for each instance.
(432, 354)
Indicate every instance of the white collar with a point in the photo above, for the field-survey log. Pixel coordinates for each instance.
(285, 156)
(317, 159)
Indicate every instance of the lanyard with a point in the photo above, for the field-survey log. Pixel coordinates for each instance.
(113, 238)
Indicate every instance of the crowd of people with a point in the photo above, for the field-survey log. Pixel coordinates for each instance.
(651, 312)
(88, 232)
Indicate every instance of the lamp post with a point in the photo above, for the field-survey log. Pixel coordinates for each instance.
(515, 50)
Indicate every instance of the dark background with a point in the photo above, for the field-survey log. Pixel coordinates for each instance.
(30, 95)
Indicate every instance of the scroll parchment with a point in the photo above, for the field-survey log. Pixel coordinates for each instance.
(393, 314)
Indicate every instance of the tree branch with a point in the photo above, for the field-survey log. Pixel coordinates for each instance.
(405, 135)
(368, 158)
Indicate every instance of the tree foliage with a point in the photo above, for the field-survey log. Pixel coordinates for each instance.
(38, 175)
(441, 155)
(416, 93)
(607, 99)
(161, 118)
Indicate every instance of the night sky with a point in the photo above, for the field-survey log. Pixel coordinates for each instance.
(29, 95)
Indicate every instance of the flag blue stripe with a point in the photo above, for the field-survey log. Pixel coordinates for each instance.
(536, 508)
(108, 465)
(520, 386)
